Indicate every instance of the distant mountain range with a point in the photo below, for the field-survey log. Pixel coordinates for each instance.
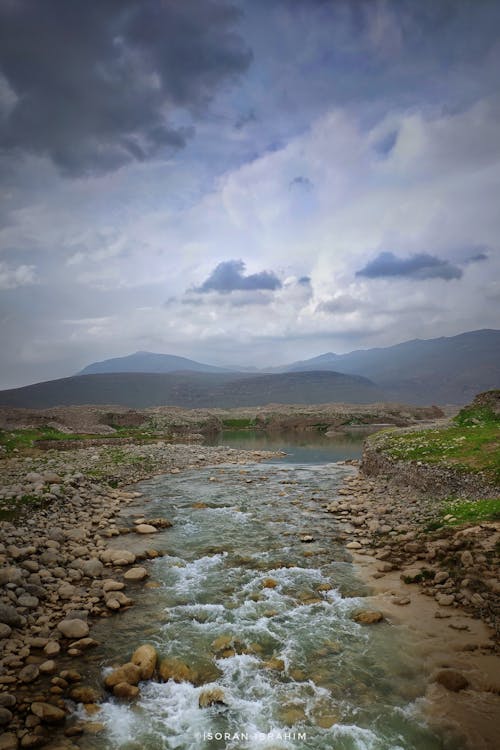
(446, 370)
(193, 389)
(443, 370)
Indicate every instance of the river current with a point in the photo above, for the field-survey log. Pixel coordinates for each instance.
(257, 594)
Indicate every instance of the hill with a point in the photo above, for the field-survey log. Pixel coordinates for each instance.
(148, 362)
(442, 370)
(194, 390)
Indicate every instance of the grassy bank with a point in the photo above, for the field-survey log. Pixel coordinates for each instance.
(471, 443)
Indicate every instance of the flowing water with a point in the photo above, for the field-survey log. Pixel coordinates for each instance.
(295, 670)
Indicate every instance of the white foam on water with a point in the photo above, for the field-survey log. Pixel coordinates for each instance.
(191, 577)
(364, 739)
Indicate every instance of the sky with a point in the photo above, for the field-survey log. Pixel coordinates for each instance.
(244, 182)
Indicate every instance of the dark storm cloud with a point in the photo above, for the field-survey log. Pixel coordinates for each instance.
(93, 84)
(229, 276)
(301, 182)
(419, 267)
(477, 257)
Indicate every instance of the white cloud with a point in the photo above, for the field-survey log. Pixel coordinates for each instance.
(11, 278)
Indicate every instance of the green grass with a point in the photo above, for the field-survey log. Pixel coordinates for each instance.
(472, 511)
(470, 444)
(25, 439)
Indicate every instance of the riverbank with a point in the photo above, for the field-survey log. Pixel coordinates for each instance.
(439, 585)
(61, 572)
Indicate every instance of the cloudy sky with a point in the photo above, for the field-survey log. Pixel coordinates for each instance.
(244, 182)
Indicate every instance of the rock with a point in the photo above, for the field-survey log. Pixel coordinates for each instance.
(30, 602)
(213, 697)
(10, 616)
(7, 700)
(48, 713)
(5, 630)
(84, 643)
(52, 648)
(368, 617)
(125, 690)
(145, 528)
(441, 577)
(353, 545)
(445, 600)
(118, 556)
(174, 669)
(66, 590)
(452, 680)
(29, 673)
(413, 575)
(10, 574)
(84, 694)
(401, 600)
(128, 672)
(73, 628)
(5, 716)
(92, 568)
(146, 658)
(48, 667)
(8, 741)
(135, 574)
(110, 585)
(50, 477)
(275, 663)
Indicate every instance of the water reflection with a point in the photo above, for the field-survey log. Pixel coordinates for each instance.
(300, 447)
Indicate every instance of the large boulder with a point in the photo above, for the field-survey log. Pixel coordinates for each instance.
(146, 658)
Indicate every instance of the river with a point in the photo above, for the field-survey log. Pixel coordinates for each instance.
(264, 615)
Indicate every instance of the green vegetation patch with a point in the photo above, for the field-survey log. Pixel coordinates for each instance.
(11, 439)
(472, 511)
(470, 444)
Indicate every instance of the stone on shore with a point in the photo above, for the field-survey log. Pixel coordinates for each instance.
(73, 628)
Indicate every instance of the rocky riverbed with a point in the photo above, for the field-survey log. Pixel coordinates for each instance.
(60, 573)
(65, 567)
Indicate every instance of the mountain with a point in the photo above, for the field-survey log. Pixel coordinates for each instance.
(442, 370)
(148, 362)
(191, 390)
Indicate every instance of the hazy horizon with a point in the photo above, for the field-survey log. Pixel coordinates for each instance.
(244, 183)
